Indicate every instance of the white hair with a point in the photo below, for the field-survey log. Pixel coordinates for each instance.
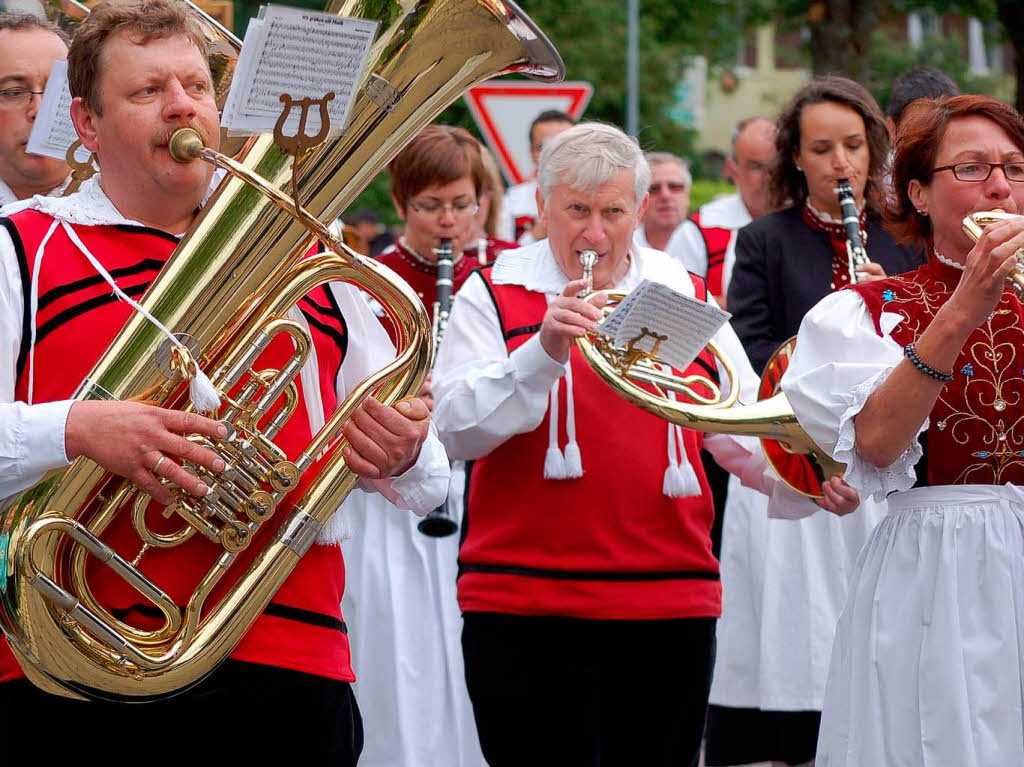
(667, 158)
(587, 155)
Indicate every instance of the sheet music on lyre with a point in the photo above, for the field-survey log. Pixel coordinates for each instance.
(688, 323)
(304, 54)
(53, 132)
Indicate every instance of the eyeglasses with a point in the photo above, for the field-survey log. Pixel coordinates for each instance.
(673, 186)
(980, 171)
(458, 209)
(11, 98)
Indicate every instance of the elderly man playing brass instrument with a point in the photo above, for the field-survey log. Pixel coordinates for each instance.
(587, 583)
(138, 73)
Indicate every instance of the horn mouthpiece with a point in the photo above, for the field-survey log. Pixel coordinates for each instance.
(185, 145)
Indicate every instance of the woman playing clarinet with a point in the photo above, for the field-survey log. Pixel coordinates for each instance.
(784, 580)
(917, 384)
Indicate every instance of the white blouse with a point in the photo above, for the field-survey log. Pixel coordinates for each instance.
(839, 362)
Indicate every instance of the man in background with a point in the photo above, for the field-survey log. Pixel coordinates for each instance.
(922, 83)
(708, 249)
(670, 200)
(28, 47)
(520, 209)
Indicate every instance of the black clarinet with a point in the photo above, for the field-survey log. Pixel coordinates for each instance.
(439, 523)
(855, 252)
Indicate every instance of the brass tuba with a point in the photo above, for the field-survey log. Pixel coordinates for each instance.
(639, 377)
(224, 292)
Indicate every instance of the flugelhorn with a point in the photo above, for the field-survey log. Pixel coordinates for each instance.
(439, 522)
(225, 292)
(856, 255)
(974, 224)
(639, 377)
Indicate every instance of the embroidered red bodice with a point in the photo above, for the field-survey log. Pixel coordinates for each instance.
(976, 428)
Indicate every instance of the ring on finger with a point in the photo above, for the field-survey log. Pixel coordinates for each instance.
(156, 466)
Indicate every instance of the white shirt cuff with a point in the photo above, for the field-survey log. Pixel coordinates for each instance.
(532, 365)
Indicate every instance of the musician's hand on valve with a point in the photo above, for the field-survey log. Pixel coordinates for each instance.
(143, 443)
(385, 441)
(569, 318)
(870, 272)
(839, 497)
(989, 263)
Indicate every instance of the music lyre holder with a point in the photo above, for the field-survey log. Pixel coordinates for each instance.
(301, 144)
(80, 171)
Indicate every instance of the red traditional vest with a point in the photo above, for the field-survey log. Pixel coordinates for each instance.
(78, 315)
(606, 545)
(975, 432)
(422, 277)
(716, 242)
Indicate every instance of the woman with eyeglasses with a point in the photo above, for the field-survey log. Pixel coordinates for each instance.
(401, 583)
(784, 580)
(917, 384)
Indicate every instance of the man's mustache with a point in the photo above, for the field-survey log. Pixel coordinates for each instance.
(164, 138)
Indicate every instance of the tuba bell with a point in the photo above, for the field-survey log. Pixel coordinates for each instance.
(225, 292)
(639, 377)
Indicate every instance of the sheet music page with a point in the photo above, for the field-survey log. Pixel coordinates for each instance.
(304, 54)
(688, 323)
(53, 132)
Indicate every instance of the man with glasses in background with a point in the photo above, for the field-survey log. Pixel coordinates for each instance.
(28, 47)
(670, 200)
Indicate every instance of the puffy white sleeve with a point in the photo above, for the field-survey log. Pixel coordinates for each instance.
(838, 364)
(31, 436)
(482, 394)
(424, 485)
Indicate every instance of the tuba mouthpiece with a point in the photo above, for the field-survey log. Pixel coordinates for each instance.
(185, 145)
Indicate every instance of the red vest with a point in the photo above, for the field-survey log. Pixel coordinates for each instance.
(423, 277)
(78, 316)
(606, 545)
(716, 242)
(975, 432)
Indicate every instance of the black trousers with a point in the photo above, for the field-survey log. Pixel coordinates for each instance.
(243, 712)
(588, 693)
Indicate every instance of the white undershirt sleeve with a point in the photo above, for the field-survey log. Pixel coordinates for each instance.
(31, 436)
(424, 485)
(484, 395)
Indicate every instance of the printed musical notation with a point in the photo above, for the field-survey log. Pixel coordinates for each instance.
(688, 323)
(53, 132)
(303, 54)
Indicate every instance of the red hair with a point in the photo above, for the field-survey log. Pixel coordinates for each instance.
(918, 139)
(439, 155)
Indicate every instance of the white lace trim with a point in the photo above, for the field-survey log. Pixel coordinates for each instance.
(825, 218)
(948, 261)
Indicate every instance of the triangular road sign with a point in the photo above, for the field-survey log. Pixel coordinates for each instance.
(504, 110)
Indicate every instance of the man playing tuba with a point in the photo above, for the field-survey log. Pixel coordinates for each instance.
(138, 72)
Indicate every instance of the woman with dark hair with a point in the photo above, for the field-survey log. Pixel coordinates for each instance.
(917, 384)
(784, 580)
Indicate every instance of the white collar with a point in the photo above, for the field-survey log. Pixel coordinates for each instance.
(948, 261)
(90, 206)
(727, 212)
(534, 267)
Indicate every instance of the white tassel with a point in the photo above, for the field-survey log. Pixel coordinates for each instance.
(554, 464)
(201, 390)
(573, 461)
(203, 393)
(680, 481)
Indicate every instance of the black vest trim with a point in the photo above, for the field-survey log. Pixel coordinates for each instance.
(336, 335)
(26, 298)
(709, 369)
(591, 575)
(525, 330)
(130, 229)
(277, 610)
(494, 300)
(333, 300)
(305, 616)
(85, 306)
(149, 264)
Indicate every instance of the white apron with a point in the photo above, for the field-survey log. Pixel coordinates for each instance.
(926, 669)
